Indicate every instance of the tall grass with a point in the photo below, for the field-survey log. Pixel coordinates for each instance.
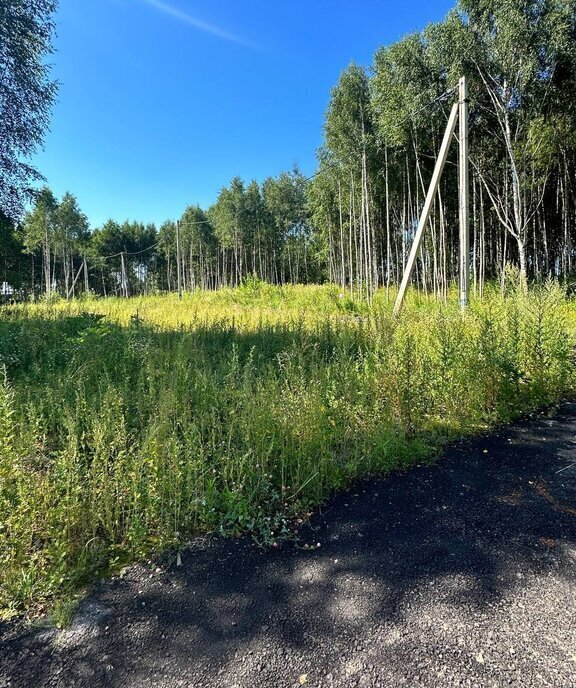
(128, 426)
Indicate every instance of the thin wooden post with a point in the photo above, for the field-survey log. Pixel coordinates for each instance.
(124, 280)
(440, 162)
(464, 194)
(178, 267)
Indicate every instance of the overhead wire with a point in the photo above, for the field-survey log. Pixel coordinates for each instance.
(129, 253)
(439, 99)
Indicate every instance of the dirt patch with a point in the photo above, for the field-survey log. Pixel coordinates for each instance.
(514, 498)
(544, 491)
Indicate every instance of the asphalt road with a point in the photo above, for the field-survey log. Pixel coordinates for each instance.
(457, 574)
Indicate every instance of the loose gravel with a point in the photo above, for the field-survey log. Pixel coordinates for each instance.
(458, 574)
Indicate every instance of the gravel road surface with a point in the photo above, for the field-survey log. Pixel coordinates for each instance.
(458, 574)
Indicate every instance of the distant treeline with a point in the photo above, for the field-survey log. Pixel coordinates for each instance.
(353, 222)
(261, 230)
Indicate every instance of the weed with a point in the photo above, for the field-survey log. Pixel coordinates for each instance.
(237, 411)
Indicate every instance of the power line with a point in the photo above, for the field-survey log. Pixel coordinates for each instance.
(129, 253)
(199, 222)
(409, 117)
(439, 99)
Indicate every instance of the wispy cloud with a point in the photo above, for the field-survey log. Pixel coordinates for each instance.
(199, 24)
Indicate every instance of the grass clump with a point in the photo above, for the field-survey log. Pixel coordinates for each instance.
(127, 426)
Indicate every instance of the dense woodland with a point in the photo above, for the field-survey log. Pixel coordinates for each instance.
(353, 221)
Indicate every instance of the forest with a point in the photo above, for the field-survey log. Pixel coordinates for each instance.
(352, 222)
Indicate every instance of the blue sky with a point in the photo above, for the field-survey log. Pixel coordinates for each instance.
(162, 102)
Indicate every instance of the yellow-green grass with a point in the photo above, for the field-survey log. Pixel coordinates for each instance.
(127, 426)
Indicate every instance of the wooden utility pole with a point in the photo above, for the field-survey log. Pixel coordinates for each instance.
(464, 194)
(440, 162)
(178, 268)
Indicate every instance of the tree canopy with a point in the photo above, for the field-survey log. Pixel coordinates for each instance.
(26, 95)
(352, 222)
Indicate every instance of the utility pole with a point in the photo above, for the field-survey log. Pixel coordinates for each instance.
(464, 194)
(86, 283)
(124, 281)
(178, 272)
(440, 162)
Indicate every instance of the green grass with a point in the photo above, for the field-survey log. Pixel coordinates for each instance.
(128, 426)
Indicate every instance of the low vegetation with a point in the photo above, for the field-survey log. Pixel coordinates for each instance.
(126, 426)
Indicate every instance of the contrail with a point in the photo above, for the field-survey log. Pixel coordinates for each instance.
(198, 23)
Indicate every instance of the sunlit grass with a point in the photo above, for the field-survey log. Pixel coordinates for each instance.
(126, 426)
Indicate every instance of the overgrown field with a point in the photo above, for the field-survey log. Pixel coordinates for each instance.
(126, 426)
